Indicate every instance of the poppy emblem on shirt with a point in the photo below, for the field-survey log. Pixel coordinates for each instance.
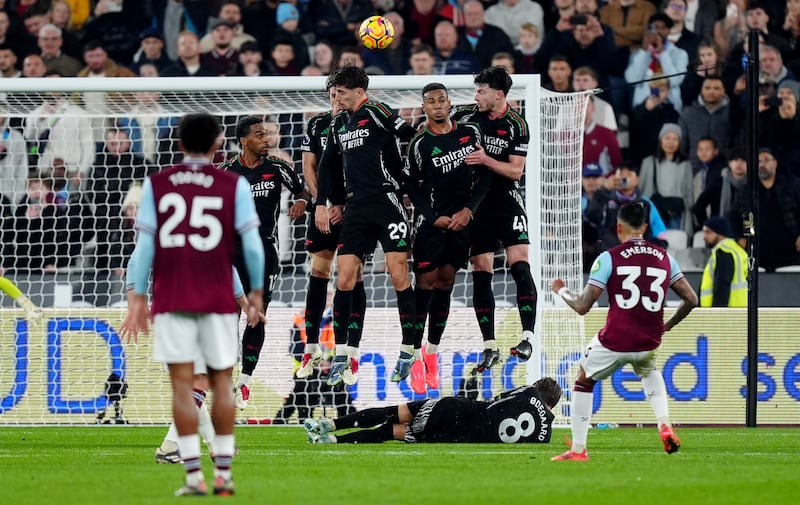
(266, 177)
(502, 133)
(362, 122)
(463, 140)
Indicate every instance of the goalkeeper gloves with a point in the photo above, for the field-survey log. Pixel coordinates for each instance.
(32, 311)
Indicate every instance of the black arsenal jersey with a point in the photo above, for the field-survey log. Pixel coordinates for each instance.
(503, 137)
(266, 182)
(440, 181)
(317, 130)
(367, 141)
(518, 416)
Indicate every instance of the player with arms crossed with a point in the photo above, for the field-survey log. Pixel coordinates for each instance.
(267, 175)
(445, 191)
(188, 222)
(636, 274)
(520, 415)
(501, 217)
(321, 247)
(363, 150)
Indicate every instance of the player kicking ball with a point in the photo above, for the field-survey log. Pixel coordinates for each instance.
(445, 191)
(636, 274)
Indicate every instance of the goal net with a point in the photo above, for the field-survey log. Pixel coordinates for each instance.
(74, 153)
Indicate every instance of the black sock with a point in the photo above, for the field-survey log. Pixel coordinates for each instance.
(376, 436)
(252, 342)
(315, 307)
(342, 305)
(359, 308)
(526, 294)
(483, 301)
(366, 418)
(423, 297)
(440, 311)
(405, 306)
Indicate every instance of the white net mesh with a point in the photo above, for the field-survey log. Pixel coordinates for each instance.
(66, 239)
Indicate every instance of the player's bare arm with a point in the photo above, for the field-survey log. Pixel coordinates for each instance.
(579, 303)
(310, 172)
(322, 219)
(688, 302)
(512, 169)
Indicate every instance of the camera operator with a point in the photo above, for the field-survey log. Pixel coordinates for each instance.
(621, 187)
(780, 124)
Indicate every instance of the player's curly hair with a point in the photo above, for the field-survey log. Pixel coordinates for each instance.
(244, 124)
(496, 77)
(349, 76)
(549, 391)
(198, 132)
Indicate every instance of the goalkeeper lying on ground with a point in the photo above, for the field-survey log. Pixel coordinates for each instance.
(521, 415)
(9, 288)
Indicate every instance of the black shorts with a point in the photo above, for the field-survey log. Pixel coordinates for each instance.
(492, 230)
(381, 218)
(434, 247)
(445, 420)
(271, 267)
(317, 241)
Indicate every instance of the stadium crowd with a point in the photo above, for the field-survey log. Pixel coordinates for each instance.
(665, 129)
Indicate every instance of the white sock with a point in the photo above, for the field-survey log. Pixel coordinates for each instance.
(418, 353)
(224, 447)
(490, 344)
(341, 349)
(189, 448)
(656, 392)
(244, 379)
(581, 416)
(408, 349)
(527, 335)
(431, 348)
(170, 443)
(312, 348)
(204, 425)
(353, 352)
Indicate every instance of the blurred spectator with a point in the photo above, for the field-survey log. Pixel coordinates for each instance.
(482, 39)
(701, 16)
(282, 59)
(510, 15)
(791, 32)
(34, 19)
(707, 117)
(229, 11)
(718, 196)
(679, 34)
(51, 43)
(114, 171)
(117, 27)
(421, 17)
(151, 51)
(188, 63)
(223, 57)
(449, 58)
(453, 11)
(712, 163)
(18, 40)
(556, 18)
(33, 66)
(559, 75)
(34, 240)
(666, 179)
(591, 181)
(13, 164)
(657, 56)
(504, 60)
(731, 30)
(708, 61)
(80, 226)
(600, 144)
(61, 14)
(323, 57)
(771, 67)
(288, 19)
(80, 10)
(350, 56)
(251, 61)
(258, 20)
(585, 79)
(394, 59)
(338, 20)
(311, 71)
(779, 205)
(422, 60)
(123, 241)
(780, 125)
(273, 134)
(648, 118)
(525, 53)
(148, 126)
(629, 20)
(619, 188)
(60, 129)
(724, 282)
(8, 62)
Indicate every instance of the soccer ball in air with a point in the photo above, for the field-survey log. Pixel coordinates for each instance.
(376, 32)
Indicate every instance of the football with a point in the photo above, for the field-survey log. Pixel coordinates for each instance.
(376, 32)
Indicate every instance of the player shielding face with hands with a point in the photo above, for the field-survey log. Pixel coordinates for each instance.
(637, 275)
(188, 221)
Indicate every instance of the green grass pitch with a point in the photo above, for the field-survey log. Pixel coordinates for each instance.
(114, 465)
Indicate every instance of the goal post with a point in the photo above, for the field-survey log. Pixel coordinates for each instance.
(62, 364)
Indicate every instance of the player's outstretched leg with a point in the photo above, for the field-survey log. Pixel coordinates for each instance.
(581, 408)
(315, 308)
(252, 342)
(439, 313)
(354, 331)
(526, 305)
(656, 392)
(423, 301)
(483, 301)
(406, 306)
